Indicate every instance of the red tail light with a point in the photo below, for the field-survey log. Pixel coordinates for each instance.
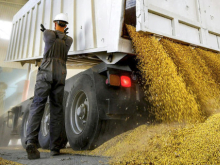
(125, 81)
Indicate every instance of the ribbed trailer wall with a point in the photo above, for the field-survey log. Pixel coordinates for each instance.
(88, 26)
(192, 21)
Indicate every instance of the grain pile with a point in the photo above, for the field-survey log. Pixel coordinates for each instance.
(166, 144)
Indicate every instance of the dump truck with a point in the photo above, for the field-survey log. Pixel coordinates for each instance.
(108, 94)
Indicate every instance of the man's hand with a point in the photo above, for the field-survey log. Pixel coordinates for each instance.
(42, 28)
(65, 31)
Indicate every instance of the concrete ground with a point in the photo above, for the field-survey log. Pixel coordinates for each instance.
(18, 154)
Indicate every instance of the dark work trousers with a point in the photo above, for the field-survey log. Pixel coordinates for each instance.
(50, 82)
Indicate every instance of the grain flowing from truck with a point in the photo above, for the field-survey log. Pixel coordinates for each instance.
(182, 81)
(196, 74)
(164, 87)
(212, 61)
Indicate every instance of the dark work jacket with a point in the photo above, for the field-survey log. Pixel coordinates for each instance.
(53, 66)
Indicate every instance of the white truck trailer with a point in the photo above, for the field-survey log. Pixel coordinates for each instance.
(97, 98)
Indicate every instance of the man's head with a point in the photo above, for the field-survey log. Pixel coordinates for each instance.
(59, 25)
(61, 22)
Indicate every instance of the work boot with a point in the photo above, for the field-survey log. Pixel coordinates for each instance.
(32, 151)
(54, 152)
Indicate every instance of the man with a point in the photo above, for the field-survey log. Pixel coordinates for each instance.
(50, 82)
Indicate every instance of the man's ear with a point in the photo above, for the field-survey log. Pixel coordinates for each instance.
(65, 26)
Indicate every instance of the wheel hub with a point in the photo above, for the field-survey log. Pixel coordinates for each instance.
(81, 111)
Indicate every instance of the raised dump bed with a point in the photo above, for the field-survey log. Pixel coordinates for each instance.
(97, 25)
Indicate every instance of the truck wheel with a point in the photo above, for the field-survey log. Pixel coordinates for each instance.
(82, 116)
(5, 135)
(44, 134)
(24, 124)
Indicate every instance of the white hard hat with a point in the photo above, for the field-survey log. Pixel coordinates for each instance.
(61, 17)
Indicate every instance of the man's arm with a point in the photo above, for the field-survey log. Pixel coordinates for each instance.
(69, 42)
(49, 36)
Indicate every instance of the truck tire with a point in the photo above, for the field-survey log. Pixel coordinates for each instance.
(44, 133)
(23, 133)
(82, 117)
(5, 135)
